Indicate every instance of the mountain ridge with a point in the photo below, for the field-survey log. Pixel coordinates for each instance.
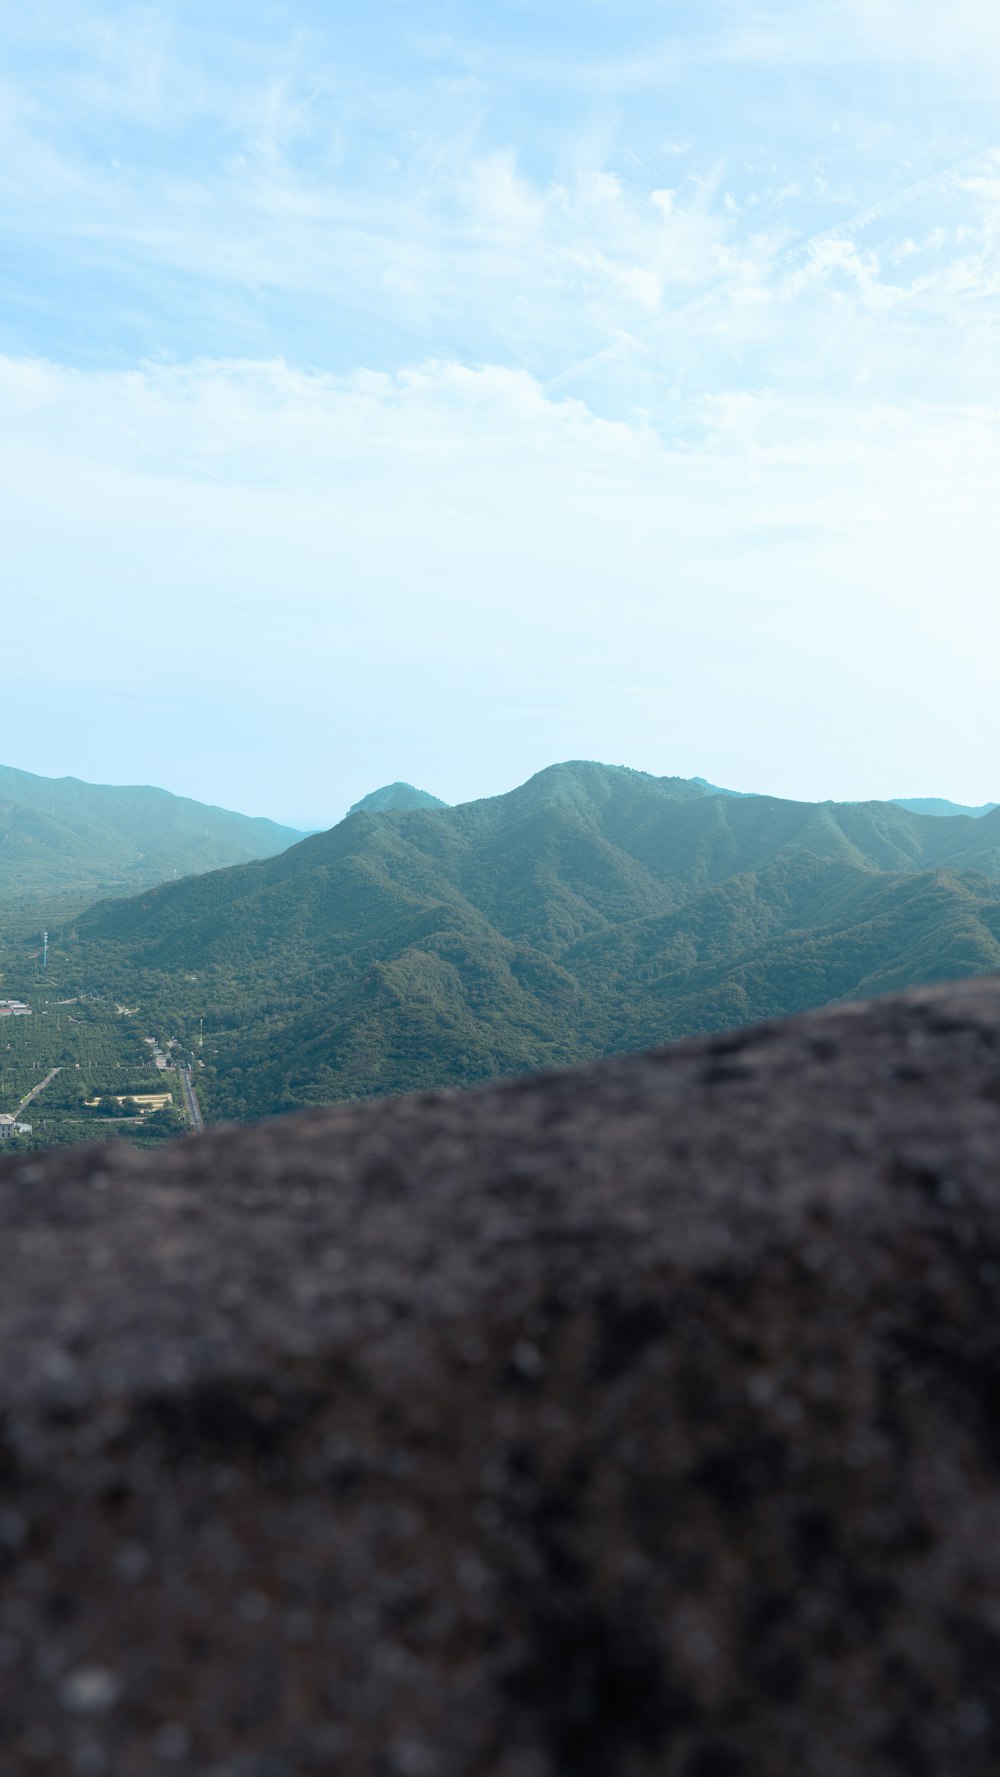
(592, 908)
(940, 806)
(64, 838)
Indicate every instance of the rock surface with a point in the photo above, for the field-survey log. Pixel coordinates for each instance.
(642, 1419)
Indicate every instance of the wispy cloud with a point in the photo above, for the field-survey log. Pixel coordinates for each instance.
(392, 360)
(304, 191)
(460, 538)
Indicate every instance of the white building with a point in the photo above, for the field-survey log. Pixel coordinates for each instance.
(9, 1127)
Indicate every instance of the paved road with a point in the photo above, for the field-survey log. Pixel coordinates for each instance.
(191, 1099)
(35, 1090)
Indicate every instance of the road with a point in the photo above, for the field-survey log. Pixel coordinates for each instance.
(35, 1090)
(191, 1099)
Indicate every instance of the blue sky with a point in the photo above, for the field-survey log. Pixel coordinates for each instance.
(438, 390)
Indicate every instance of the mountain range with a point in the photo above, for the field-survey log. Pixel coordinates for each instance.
(593, 909)
(65, 840)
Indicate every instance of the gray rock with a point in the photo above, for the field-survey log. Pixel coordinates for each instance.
(644, 1419)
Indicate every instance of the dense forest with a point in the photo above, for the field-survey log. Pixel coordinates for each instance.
(593, 909)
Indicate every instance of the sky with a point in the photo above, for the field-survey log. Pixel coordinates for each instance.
(434, 391)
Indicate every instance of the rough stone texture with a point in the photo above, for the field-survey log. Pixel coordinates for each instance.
(642, 1419)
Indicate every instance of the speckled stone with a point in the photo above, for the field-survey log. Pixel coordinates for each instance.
(643, 1419)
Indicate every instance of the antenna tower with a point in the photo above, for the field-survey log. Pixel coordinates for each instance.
(45, 951)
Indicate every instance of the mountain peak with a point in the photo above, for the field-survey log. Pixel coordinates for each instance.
(395, 796)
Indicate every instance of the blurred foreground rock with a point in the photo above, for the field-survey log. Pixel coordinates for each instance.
(642, 1419)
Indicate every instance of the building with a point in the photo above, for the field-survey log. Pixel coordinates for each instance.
(143, 1101)
(14, 1009)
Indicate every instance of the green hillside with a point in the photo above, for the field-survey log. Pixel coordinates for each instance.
(592, 909)
(63, 842)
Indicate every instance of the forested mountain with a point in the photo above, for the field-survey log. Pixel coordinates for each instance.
(64, 839)
(592, 909)
(392, 796)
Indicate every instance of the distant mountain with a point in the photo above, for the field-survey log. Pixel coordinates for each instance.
(62, 839)
(937, 805)
(717, 789)
(933, 805)
(394, 796)
(593, 909)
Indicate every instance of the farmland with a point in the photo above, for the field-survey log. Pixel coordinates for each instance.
(101, 1054)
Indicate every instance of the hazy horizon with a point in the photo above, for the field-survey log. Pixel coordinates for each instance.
(324, 821)
(431, 393)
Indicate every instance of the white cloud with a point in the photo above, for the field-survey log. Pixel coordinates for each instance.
(959, 41)
(704, 369)
(265, 196)
(964, 36)
(309, 543)
(958, 44)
